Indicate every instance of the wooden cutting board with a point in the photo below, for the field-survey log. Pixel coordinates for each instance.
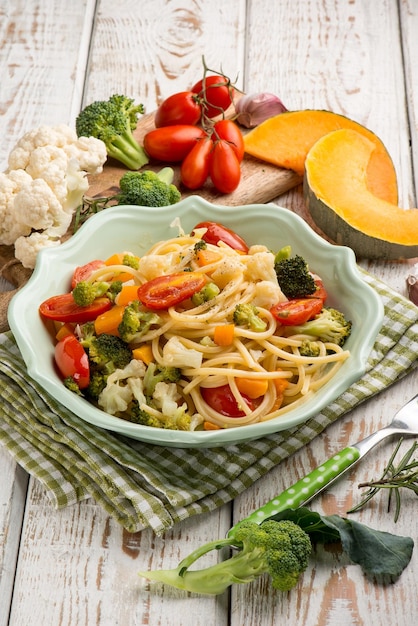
(260, 183)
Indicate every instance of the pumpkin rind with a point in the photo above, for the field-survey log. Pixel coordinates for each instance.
(344, 209)
(285, 140)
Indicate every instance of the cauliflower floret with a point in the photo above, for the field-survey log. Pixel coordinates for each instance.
(267, 294)
(176, 354)
(260, 266)
(27, 248)
(120, 390)
(153, 265)
(37, 207)
(10, 228)
(89, 152)
(165, 397)
(39, 137)
(229, 269)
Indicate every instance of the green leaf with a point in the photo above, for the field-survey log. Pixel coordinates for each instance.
(378, 553)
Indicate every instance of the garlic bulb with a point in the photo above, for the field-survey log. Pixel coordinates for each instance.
(412, 284)
(252, 109)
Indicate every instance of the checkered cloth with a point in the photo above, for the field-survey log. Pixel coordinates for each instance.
(144, 485)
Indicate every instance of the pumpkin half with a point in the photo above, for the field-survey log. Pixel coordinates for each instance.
(285, 140)
(335, 187)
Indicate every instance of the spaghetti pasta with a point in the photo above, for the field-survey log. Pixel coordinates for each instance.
(184, 336)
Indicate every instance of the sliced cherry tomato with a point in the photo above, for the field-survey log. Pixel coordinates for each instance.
(216, 92)
(62, 308)
(172, 143)
(320, 291)
(195, 167)
(180, 108)
(165, 291)
(225, 170)
(84, 271)
(217, 232)
(221, 399)
(229, 131)
(297, 311)
(72, 360)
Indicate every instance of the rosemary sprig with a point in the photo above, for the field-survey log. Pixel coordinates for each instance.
(89, 207)
(394, 478)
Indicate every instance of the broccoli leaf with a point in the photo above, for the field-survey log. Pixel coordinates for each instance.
(377, 552)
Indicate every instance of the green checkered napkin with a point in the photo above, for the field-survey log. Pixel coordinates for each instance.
(144, 485)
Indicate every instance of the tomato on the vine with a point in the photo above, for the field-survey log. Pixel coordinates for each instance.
(225, 170)
(172, 143)
(229, 131)
(170, 289)
(195, 167)
(72, 360)
(216, 92)
(222, 400)
(180, 108)
(218, 232)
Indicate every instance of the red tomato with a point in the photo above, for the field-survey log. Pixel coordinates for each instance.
(217, 232)
(228, 130)
(195, 167)
(225, 170)
(172, 143)
(72, 360)
(222, 400)
(62, 308)
(297, 311)
(216, 92)
(165, 291)
(180, 108)
(84, 271)
(320, 291)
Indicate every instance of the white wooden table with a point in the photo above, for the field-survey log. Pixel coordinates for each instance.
(77, 567)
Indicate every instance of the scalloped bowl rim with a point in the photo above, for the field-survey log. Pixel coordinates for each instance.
(138, 227)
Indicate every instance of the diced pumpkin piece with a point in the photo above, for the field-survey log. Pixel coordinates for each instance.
(285, 140)
(343, 207)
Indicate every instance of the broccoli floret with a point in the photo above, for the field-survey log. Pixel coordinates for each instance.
(279, 548)
(159, 374)
(107, 352)
(139, 416)
(208, 292)
(293, 275)
(71, 384)
(309, 348)
(200, 245)
(247, 315)
(85, 292)
(98, 379)
(115, 287)
(329, 325)
(148, 188)
(136, 322)
(113, 121)
(131, 261)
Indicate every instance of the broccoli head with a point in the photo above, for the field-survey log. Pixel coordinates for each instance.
(136, 322)
(247, 315)
(148, 188)
(86, 292)
(309, 348)
(294, 277)
(159, 374)
(113, 121)
(329, 325)
(279, 548)
(107, 352)
(207, 293)
(139, 416)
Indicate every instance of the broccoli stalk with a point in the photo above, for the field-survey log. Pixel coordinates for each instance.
(329, 325)
(247, 315)
(279, 548)
(113, 121)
